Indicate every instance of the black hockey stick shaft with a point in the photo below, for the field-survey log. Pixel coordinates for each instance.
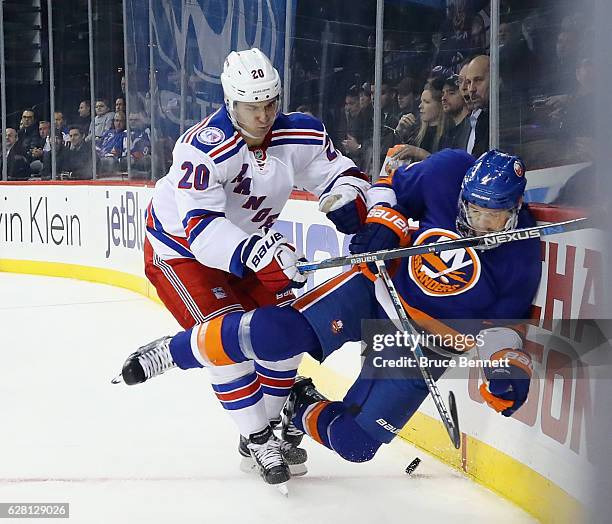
(488, 240)
(448, 416)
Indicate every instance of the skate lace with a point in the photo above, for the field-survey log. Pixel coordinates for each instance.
(286, 447)
(268, 454)
(157, 358)
(292, 431)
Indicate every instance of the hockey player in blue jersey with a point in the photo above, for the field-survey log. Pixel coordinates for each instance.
(450, 195)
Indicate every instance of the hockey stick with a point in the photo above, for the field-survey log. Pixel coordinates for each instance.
(449, 416)
(488, 240)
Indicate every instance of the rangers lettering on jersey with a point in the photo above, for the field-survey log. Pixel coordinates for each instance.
(207, 211)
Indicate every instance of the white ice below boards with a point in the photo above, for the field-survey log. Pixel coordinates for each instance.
(165, 451)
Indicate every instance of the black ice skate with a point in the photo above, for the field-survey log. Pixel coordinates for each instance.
(148, 362)
(302, 393)
(295, 456)
(265, 450)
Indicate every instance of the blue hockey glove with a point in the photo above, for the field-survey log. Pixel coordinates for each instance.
(508, 386)
(385, 228)
(345, 206)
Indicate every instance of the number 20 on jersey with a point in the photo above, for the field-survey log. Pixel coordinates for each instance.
(200, 175)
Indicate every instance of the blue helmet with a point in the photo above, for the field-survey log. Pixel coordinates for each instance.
(496, 182)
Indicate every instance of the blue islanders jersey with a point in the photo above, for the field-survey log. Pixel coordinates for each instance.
(498, 283)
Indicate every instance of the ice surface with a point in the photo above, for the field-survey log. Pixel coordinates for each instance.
(165, 451)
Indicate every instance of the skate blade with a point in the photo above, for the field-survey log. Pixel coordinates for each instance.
(283, 489)
(118, 379)
(247, 465)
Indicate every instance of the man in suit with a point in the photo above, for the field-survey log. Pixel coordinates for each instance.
(477, 79)
(16, 165)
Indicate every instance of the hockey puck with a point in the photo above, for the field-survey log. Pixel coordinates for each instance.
(413, 465)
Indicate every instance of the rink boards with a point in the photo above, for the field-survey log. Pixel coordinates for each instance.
(539, 459)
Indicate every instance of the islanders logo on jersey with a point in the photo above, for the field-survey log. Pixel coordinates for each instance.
(447, 273)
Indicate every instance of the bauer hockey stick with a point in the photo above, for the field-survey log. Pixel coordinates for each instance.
(449, 416)
(482, 241)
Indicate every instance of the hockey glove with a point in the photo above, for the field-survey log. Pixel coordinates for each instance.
(385, 228)
(508, 386)
(345, 206)
(273, 260)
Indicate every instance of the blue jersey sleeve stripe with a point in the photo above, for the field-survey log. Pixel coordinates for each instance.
(236, 266)
(173, 244)
(158, 226)
(199, 213)
(200, 227)
(230, 153)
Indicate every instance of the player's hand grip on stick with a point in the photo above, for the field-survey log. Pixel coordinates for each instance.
(507, 387)
(385, 228)
(273, 260)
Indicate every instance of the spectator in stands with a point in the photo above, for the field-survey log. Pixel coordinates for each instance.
(457, 115)
(432, 128)
(110, 147)
(39, 147)
(477, 41)
(561, 73)
(365, 96)
(76, 159)
(140, 147)
(304, 108)
(120, 105)
(103, 120)
(348, 120)
(463, 84)
(579, 117)
(17, 167)
(60, 123)
(517, 64)
(389, 118)
(28, 135)
(406, 101)
(46, 171)
(84, 118)
(454, 39)
(358, 147)
(477, 78)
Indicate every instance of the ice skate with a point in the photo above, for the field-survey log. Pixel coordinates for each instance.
(265, 451)
(302, 393)
(149, 361)
(295, 456)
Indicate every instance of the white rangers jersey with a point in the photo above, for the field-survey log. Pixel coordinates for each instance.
(219, 191)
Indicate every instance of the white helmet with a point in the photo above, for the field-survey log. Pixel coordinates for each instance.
(248, 76)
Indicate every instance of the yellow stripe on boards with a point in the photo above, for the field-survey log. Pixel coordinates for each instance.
(484, 464)
(111, 277)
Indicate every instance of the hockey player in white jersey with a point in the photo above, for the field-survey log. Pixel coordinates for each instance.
(209, 249)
